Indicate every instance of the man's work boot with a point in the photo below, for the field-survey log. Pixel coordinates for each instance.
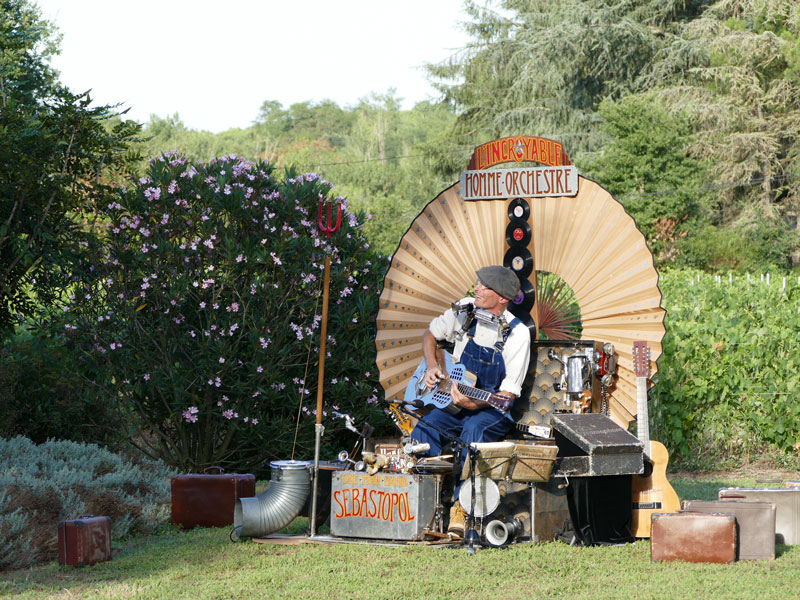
(458, 520)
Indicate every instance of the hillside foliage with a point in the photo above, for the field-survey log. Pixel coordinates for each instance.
(374, 151)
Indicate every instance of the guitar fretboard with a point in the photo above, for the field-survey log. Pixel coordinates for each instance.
(642, 419)
(474, 393)
(482, 395)
(641, 367)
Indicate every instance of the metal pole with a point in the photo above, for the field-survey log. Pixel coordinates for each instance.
(328, 227)
(319, 429)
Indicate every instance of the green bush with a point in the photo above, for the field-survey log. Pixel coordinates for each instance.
(200, 312)
(727, 380)
(753, 247)
(57, 480)
(43, 395)
(645, 166)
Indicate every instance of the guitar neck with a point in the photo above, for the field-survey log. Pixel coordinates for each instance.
(641, 367)
(642, 418)
(484, 396)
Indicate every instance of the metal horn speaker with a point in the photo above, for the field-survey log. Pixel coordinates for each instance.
(500, 533)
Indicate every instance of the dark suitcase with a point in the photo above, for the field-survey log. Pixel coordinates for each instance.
(755, 522)
(787, 508)
(693, 537)
(592, 445)
(206, 500)
(84, 541)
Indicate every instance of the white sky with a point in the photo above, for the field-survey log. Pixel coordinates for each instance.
(215, 62)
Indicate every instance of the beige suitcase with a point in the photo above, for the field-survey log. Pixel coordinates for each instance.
(787, 508)
(755, 523)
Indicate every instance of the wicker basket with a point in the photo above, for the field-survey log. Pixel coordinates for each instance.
(532, 462)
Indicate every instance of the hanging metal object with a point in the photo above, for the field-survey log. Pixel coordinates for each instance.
(328, 228)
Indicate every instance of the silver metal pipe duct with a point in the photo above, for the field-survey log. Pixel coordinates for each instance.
(289, 485)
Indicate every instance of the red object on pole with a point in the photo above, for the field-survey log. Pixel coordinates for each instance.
(328, 227)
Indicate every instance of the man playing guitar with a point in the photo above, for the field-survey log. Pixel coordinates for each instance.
(491, 343)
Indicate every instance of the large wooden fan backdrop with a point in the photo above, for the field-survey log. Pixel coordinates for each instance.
(589, 240)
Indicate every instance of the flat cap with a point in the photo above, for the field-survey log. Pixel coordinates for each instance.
(500, 279)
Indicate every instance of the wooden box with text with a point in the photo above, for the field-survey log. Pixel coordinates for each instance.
(389, 506)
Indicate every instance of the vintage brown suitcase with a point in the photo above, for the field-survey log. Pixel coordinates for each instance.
(787, 508)
(755, 521)
(693, 537)
(207, 500)
(84, 541)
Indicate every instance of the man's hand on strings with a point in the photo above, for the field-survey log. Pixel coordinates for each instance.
(432, 376)
(463, 401)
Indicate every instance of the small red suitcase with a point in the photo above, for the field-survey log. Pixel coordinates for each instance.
(693, 537)
(84, 541)
(205, 500)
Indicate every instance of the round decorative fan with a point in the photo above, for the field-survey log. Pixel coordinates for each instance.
(604, 286)
(558, 312)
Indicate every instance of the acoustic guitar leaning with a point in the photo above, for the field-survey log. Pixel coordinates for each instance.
(652, 493)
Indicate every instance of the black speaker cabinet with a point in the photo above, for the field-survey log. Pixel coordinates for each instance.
(539, 398)
(601, 509)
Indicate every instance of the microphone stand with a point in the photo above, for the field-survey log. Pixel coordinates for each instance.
(471, 536)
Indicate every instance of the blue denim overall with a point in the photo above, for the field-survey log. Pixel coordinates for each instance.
(482, 425)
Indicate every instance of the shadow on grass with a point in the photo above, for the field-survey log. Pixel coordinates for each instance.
(701, 489)
(169, 551)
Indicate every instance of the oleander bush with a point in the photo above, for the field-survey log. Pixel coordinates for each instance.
(198, 312)
(43, 484)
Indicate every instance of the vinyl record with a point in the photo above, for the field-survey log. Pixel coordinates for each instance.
(519, 208)
(519, 260)
(526, 319)
(526, 297)
(589, 241)
(518, 233)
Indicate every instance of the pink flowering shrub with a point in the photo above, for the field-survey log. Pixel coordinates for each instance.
(199, 313)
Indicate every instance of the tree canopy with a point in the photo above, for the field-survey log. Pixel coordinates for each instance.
(57, 155)
(727, 71)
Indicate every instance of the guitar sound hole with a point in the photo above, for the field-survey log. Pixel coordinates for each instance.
(648, 469)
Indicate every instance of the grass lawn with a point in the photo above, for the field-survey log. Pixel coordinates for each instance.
(203, 563)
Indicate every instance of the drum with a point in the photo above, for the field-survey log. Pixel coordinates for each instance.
(487, 496)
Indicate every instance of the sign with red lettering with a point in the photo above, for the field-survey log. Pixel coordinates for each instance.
(384, 505)
(520, 148)
(526, 182)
